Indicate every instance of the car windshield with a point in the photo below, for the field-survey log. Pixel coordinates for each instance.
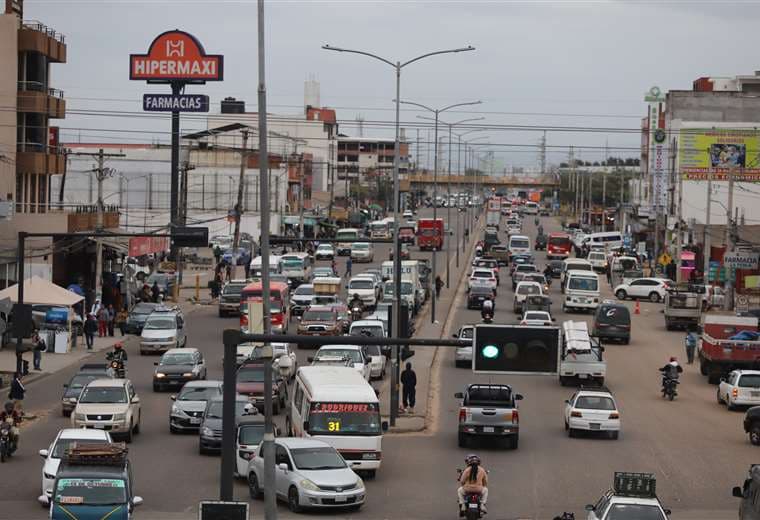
(367, 330)
(80, 381)
(361, 284)
(520, 243)
(251, 434)
(579, 267)
(467, 333)
(324, 247)
(536, 316)
(480, 291)
(304, 290)
(318, 316)
(634, 512)
(292, 264)
(91, 491)
(143, 308)
(594, 402)
(171, 358)
(317, 458)
(232, 288)
(323, 271)
(583, 284)
(353, 355)
(372, 350)
(104, 394)
(617, 315)
(482, 274)
(59, 450)
(344, 419)
(160, 322)
(360, 247)
(750, 381)
(529, 288)
(215, 409)
(251, 374)
(198, 393)
(346, 235)
(526, 268)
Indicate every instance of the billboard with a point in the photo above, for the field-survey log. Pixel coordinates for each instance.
(139, 246)
(719, 152)
(170, 102)
(176, 56)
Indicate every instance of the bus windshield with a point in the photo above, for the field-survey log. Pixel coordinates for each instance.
(344, 419)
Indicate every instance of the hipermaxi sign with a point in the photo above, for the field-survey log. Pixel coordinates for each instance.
(176, 56)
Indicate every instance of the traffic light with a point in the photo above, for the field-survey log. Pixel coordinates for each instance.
(516, 349)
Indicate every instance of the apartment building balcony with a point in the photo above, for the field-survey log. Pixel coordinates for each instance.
(34, 36)
(39, 159)
(34, 97)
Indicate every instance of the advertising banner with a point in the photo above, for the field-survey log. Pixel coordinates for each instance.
(176, 56)
(139, 246)
(719, 151)
(170, 102)
(657, 148)
(741, 260)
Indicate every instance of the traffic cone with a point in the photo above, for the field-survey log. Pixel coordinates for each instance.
(637, 308)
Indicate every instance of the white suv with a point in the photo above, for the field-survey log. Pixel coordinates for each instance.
(366, 288)
(164, 329)
(653, 289)
(740, 388)
(111, 405)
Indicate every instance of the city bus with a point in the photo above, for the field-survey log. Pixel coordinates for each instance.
(559, 245)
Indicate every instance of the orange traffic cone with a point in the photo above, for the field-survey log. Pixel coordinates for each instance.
(637, 308)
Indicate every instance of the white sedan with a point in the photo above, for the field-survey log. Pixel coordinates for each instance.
(58, 447)
(483, 278)
(522, 291)
(593, 411)
(653, 289)
(540, 318)
(352, 353)
(740, 388)
(324, 252)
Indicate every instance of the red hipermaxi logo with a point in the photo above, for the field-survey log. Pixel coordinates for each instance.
(176, 56)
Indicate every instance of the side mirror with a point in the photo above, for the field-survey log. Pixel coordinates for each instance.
(155, 363)
(43, 500)
(66, 385)
(667, 511)
(283, 466)
(135, 400)
(722, 379)
(590, 507)
(384, 426)
(173, 397)
(44, 454)
(518, 397)
(453, 336)
(459, 395)
(310, 359)
(737, 492)
(298, 318)
(136, 501)
(567, 401)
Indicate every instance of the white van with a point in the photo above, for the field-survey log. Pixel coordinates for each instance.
(581, 291)
(530, 208)
(296, 266)
(337, 405)
(518, 244)
(347, 237)
(608, 239)
(573, 264)
(275, 266)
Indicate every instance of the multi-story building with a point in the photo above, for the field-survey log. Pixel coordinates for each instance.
(359, 155)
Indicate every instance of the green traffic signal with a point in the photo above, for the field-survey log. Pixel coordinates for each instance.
(490, 351)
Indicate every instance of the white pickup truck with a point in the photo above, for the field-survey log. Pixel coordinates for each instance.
(581, 358)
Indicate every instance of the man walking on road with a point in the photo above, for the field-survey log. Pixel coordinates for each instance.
(438, 286)
(90, 329)
(408, 388)
(349, 264)
(691, 345)
(17, 391)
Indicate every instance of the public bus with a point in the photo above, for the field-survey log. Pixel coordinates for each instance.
(559, 245)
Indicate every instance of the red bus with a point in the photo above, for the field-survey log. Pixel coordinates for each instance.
(559, 245)
(430, 234)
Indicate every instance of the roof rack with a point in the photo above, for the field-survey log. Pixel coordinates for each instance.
(639, 485)
(91, 454)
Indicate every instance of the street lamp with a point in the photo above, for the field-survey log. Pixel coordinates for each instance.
(469, 217)
(437, 113)
(448, 194)
(397, 66)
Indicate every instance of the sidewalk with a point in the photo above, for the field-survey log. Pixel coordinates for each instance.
(52, 363)
(424, 360)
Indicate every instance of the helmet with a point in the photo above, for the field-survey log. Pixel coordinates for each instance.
(472, 459)
(9, 406)
(356, 296)
(673, 358)
(118, 345)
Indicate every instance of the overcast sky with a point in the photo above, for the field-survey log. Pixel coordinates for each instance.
(538, 63)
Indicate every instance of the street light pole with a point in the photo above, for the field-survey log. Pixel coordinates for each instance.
(396, 321)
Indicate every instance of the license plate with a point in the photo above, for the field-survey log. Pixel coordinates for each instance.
(341, 499)
(473, 506)
(755, 394)
(487, 429)
(583, 376)
(99, 426)
(195, 420)
(595, 426)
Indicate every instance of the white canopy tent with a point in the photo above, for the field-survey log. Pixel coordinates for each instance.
(37, 290)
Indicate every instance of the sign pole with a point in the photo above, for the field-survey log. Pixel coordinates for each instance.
(177, 87)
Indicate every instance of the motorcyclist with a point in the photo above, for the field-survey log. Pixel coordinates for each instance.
(356, 302)
(670, 371)
(487, 309)
(474, 479)
(9, 411)
(119, 354)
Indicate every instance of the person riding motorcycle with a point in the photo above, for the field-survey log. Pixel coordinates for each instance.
(487, 309)
(670, 371)
(356, 302)
(119, 354)
(9, 411)
(474, 479)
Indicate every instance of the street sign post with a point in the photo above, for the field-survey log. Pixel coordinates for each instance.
(190, 236)
(741, 260)
(516, 349)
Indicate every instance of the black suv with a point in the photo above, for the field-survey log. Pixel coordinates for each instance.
(612, 321)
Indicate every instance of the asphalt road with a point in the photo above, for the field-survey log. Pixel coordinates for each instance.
(695, 447)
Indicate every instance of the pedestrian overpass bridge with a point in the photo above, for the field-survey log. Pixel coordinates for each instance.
(425, 182)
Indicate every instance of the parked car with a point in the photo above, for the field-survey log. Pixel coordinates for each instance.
(310, 474)
(324, 252)
(592, 411)
(177, 367)
(740, 388)
(186, 413)
(111, 405)
(653, 289)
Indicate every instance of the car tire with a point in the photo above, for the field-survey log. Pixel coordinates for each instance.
(136, 429)
(571, 432)
(222, 314)
(614, 435)
(254, 490)
(654, 297)
(718, 397)
(514, 442)
(729, 406)
(293, 504)
(462, 441)
(129, 435)
(172, 429)
(202, 450)
(754, 434)
(156, 387)
(567, 426)
(620, 294)
(626, 341)
(66, 413)
(276, 407)
(142, 352)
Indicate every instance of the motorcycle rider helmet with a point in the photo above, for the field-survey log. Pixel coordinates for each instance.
(9, 407)
(472, 459)
(673, 359)
(118, 345)
(356, 296)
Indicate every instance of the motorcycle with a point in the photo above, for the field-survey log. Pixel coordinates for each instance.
(487, 317)
(472, 508)
(355, 313)
(7, 445)
(116, 367)
(669, 388)
(565, 516)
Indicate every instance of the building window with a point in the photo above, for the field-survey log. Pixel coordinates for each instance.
(19, 193)
(32, 187)
(42, 193)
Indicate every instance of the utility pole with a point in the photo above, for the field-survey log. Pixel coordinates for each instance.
(708, 237)
(679, 213)
(729, 300)
(331, 175)
(239, 206)
(590, 198)
(448, 214)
